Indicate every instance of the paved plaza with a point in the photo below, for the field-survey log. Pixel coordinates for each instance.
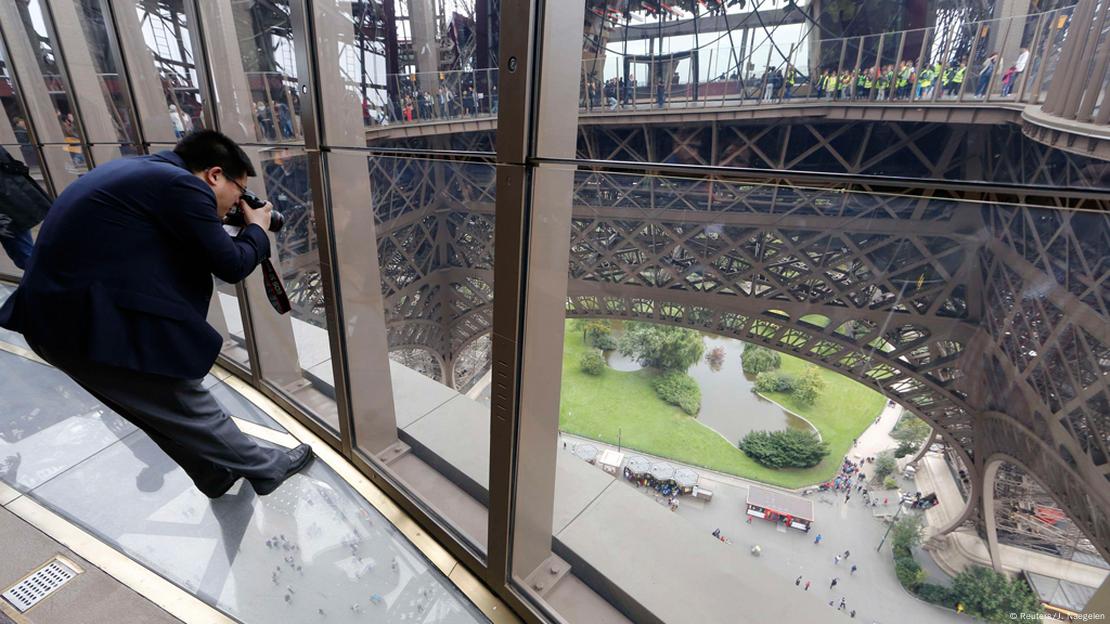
(873, 591)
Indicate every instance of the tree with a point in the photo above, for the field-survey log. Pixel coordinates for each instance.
(994, 597)
(774, 381)
(910, 428)
(593, 330)
(758, 359)
(592, 363)
(661, 346)
(789, 448)
(885, 464)
(906, 534)
(678, 388)
(909, 572)
(715, 358)
(809, 385)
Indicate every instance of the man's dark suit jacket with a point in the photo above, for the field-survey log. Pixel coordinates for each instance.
(122, 270)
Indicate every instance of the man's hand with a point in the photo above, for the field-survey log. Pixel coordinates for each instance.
(259, 216)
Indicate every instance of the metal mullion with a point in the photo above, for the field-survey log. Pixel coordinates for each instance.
(304, 28)
(200, 58)
(1020, 93)
(996, 76)
(32, 130)
(970, 60)
(63, 70)
(132, 63)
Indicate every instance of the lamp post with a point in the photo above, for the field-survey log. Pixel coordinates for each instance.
(891, 526)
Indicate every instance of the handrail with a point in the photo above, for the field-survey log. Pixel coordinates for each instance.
(936, 64)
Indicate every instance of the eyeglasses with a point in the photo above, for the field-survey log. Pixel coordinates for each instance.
(242, 189)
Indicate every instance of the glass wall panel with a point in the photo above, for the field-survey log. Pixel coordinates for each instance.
(431, 222)
(226, 316)
(269, 62)
(35, 29)
(708, 320)
(167, 33)
(113, 119)
(696, 65)
(303, 369)
(14, 122)
(420, 62)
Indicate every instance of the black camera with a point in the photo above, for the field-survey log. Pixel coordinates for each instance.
(235, 217)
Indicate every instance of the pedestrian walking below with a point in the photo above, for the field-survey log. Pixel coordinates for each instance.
(817, 540)
(846, 554)
(797, 581)
(834, 582)
(854, 568)
(843, 604)
(836, 560)
(807, 586)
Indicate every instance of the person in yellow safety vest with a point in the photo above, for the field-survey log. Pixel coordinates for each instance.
(861, 84)
(958, 77)
(845, 85)
(925, 82)
(881, 83)
(868, 82)
(833, 85)
(791, 78)
(903, 83)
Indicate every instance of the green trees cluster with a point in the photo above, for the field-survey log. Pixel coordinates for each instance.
(910, 432)
(592, 362)
(993, 596)
(809, 385)
(678, 388)
(789, 448)
(672, 350)
(905, 535)
(805, 387)
(774, 381)
(885, 465)
(983, 592)
(596, 333)
(661, 346)
(757, 359)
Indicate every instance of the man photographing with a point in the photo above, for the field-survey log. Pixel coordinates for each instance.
(116, 295)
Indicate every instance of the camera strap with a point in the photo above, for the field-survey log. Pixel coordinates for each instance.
(275, 291)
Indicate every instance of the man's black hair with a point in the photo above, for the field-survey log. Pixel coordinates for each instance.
(204, 149)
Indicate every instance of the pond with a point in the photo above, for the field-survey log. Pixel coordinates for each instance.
(728, 405)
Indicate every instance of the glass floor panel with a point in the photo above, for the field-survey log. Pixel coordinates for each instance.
(48, 424)
(314, 551)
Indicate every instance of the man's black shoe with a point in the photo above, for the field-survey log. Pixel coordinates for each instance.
(299, 459)
(221, 487)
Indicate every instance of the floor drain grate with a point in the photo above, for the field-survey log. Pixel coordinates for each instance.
(40, 584)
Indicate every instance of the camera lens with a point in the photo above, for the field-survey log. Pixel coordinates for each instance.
(277, 221)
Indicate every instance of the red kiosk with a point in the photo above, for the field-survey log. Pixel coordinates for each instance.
(775, 506)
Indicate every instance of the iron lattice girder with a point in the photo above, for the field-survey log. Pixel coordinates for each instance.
(952, 307)
(1086, 504)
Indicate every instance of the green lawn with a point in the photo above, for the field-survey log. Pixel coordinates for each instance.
(597, 407)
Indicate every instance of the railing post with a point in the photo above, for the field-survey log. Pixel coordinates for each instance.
(1054, 26)
(970, 56)
(1020, 96)
(879, 65)
(938, 80)
(998, 64)
(922, 56)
